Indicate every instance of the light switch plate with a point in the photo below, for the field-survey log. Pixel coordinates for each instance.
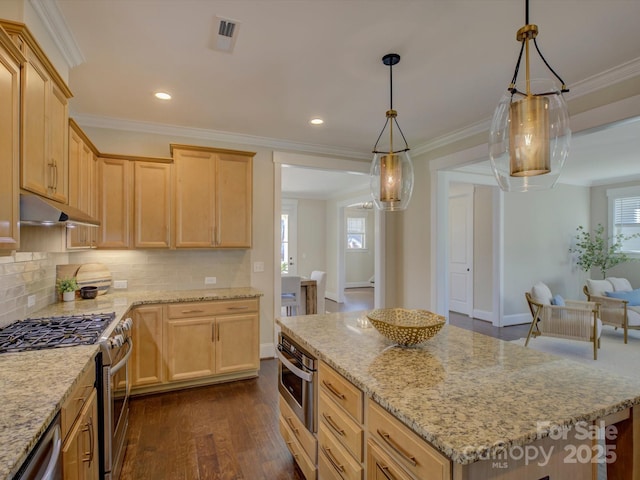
(119, 284)
(31, 300)
(258, 267)
(210, 280)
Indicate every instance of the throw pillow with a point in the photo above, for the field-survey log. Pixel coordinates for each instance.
(620, 284)
(557, 300)
(598, 287)
(541, 293)
(633, 297)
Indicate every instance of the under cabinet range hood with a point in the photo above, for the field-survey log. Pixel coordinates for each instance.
(37, 210)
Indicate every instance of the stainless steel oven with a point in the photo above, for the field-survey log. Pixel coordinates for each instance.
(116, 387)
(298, 380)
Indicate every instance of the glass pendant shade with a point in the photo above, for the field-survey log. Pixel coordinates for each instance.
(530, 138)
(391, 180)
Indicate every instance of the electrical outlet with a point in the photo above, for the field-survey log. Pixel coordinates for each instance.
(258, 267)
(210, 280)
(31, 300)
(120, 284)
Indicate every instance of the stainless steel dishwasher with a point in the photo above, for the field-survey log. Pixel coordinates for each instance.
(45, 461)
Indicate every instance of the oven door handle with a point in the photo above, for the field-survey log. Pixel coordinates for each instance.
(113, 370)
(50, 471)
(306, 376)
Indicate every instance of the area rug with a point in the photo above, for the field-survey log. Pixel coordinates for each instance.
(613, 356)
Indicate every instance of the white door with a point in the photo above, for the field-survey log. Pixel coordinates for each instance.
(461, 249)
(289, 237)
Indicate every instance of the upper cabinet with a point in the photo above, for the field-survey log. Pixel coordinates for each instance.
(152, 204)
(115, 196)
(83, 182)
(45, 115)
(10, 60)
(213, 193)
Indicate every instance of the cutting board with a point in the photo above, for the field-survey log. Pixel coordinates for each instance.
(94, 274)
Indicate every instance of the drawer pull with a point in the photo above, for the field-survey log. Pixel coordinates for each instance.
(398, 449)
(332, 459)
(88, 428)
(290, 445)
(386, 472)
(331, 422)
(333, 390)
(292, 426)
(192, 311)
(244, 307)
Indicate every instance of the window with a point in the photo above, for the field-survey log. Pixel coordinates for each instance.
(624, 214)
(356, 233)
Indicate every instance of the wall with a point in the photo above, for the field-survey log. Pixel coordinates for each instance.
(538, 230)
(483, 251)
(311, 236)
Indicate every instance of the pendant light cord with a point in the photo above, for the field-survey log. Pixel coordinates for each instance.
(406, 145)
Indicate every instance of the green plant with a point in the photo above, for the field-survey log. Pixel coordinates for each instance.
(66, 285)
(595, 250)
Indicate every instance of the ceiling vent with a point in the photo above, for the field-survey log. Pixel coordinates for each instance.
(225, 34)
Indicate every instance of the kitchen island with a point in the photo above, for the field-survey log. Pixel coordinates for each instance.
(35, 384)
(482, 402)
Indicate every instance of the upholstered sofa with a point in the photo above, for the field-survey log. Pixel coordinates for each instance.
(619, 302)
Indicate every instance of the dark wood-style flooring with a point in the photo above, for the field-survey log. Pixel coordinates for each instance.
(230, 431)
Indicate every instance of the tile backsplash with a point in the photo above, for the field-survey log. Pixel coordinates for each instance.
(24, 274)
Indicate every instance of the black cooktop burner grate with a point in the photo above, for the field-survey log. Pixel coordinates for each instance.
(54, 332)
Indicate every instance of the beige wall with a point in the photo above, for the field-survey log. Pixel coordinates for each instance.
(483, 251)
(311, 236)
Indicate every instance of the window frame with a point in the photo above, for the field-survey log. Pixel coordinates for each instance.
(613, 195)
(349, 232)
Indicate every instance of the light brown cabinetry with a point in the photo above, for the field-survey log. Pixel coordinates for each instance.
(211, 338)
(79, 426)
(152, 204)
(45, 114)
(10, 60)
(83, 174)
(409, 452)
(213, 192)
(115, 196)
(340, 427)
(146, 358)
(301, 442)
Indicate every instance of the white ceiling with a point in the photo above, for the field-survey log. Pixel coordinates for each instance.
(294, 60)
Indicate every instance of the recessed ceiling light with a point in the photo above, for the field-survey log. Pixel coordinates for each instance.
(163, 95)
(316, 121)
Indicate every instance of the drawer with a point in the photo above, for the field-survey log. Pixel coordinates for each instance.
(342, 426)
(75, 401)
(306, 439)
(326, 470)
(338, 458)
(206, 309)
(381, 466)
(304, 462)
(405, 447)
(342, 391)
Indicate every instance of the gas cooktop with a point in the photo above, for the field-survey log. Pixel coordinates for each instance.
(54, 332)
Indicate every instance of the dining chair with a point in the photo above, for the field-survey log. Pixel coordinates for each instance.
(291, 293)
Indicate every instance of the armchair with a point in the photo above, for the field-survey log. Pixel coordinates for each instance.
(614, 311)
(575, 320)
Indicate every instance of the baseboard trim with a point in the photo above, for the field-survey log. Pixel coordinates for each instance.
(483, 315)
(267, 350)
(516, 319)
(331, 296)
(358, 285)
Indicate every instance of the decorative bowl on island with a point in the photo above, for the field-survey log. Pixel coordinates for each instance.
(406, 327)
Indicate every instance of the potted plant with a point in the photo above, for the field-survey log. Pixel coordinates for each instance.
(595, 250)
(67, 287)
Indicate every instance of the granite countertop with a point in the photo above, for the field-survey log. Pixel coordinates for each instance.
(33, 385)
(471, 396)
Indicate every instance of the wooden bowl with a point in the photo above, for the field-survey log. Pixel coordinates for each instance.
(406, 327)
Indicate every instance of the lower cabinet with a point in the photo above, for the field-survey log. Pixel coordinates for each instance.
(194, 343)
(340, 427)
(301, 443)
(79, 418)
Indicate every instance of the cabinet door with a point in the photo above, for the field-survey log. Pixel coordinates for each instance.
(115, 181)
(237, 343)
(152, 191)
(234, 200)
(380, 466)
(80, 456)
(81, 187)
(189, 351)
(9, 148)
(194, 199)
(58, 131)
(146, 358)
(36, 169)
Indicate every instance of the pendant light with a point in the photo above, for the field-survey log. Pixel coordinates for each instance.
(391, 174)
(530, 135)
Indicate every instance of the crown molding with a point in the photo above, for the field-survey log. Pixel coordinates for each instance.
(213, 135)
(54, 22)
